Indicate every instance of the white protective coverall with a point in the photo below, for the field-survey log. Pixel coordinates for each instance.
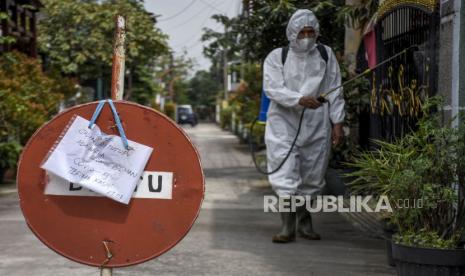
(303, 74)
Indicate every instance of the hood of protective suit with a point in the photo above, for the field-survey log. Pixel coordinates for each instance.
(300, 19)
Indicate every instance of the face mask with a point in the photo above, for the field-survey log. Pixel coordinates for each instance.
(305, 43)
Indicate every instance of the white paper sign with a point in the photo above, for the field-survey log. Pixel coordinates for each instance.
(97, 161)
(154, 185)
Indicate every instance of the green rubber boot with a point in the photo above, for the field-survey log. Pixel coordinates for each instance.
(305, 226)
(287, 233)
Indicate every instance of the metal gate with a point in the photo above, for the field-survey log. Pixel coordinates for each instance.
(400, 86)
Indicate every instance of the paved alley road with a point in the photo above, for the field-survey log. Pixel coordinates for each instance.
(232, 235)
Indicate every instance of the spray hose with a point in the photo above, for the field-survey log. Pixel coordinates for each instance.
(322, 99)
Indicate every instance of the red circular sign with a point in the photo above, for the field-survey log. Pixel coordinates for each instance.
(77, 226)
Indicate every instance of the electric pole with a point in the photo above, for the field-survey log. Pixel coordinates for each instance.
(225, 66)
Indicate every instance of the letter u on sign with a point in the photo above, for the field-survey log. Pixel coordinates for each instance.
(151, 185)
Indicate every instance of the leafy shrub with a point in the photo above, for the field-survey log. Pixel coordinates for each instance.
(9, 153)
(425, 239)
(28, 96)
(426, 166)
(246, 98)
(225, 117)
(155, 106)
(170, 110)
(357, 104)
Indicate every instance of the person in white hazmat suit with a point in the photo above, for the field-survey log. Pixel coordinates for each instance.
(291, 87)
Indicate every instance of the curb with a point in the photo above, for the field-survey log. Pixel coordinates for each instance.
(8, 190)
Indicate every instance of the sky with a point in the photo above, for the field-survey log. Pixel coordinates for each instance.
(183, 21)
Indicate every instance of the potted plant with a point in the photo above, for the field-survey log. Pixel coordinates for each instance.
(423, 176)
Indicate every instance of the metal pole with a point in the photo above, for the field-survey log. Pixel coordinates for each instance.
(117, 81)
(117, 77)
(225, 73)
(106, 271)
(225, 67)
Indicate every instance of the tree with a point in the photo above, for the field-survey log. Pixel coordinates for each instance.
(254, 34)
(173, 72)
(28, 98)
(203, 88)
(77, 37)
(144, 88)
(222, 42)
(358, 15)
(246, 98)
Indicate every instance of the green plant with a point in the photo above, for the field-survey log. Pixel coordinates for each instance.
(257, 134)
(357, 103)
(77, 37)
(253, 35)
(246, 98)
(358, 15)
(225, 117)
(203, 88)
(376, 169)
(6, 39)
(28, 96)
(9, 152)
(170, 110)
(155, 106)
(425, 239)
(427, 167)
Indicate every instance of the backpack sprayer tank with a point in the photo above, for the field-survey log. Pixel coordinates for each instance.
(264, 104)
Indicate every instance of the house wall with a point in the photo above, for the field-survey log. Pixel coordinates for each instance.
(353, 38)
(452, 56)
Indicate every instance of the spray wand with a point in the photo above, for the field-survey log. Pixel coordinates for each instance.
(322, 97)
